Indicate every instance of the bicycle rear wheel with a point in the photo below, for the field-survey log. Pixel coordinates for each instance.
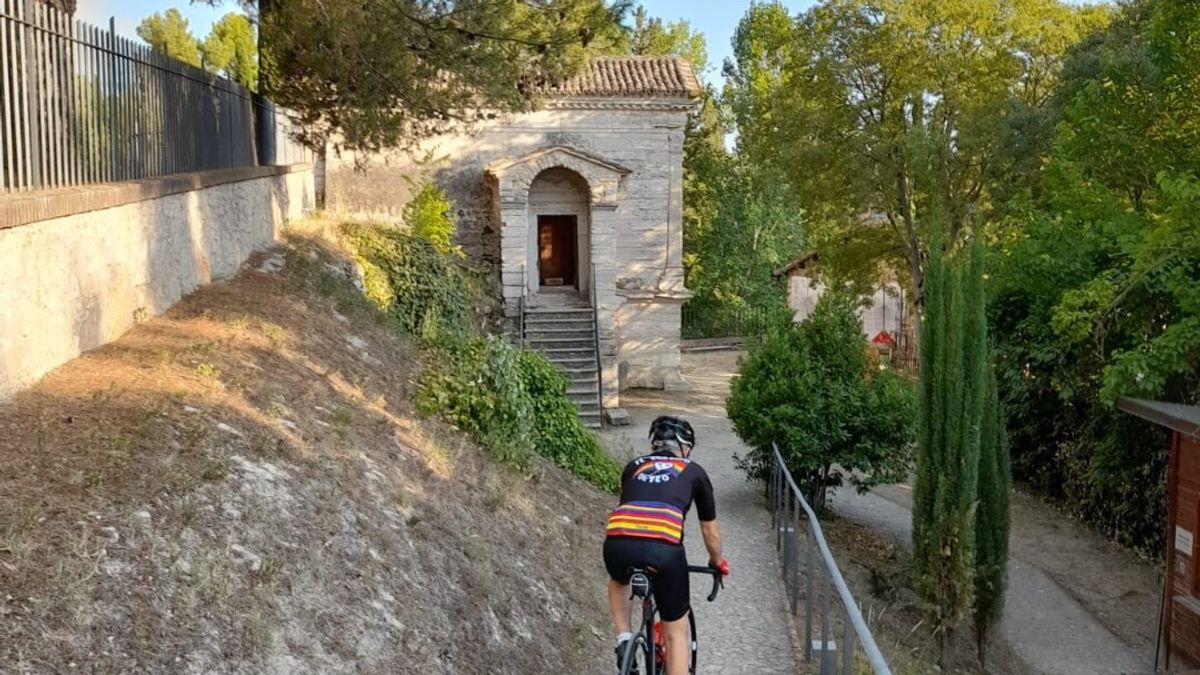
(638, 656)
(692, 644)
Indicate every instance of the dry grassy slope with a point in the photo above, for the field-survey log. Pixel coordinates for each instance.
(241, 486)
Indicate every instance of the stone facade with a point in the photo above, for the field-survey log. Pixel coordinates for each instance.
(606, 150)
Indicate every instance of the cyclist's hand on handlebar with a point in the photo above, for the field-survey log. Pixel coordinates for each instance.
(722, 567)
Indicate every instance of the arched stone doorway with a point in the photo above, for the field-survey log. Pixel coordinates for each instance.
(559, 255)
(562, 181)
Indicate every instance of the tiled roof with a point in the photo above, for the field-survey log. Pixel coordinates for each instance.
(660, 76)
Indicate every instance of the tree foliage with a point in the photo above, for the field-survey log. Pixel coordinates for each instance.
(651, 36)
(953, 388)
(1097, 279)
(812, 389)
(428, 216)
(168, 32)
(891, 107)
(991, 519)
(231, 48)
(375, 73)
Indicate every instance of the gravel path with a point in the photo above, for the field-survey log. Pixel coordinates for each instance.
(1043, 623)
(747, 629)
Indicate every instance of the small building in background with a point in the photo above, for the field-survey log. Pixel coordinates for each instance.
(1179, 624)
(884, 314)
(576, 208)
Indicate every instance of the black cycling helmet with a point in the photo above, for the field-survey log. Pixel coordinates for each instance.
(671, 429)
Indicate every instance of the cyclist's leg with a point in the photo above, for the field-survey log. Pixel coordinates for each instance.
(619, 604)
(679, 656)
(618, 561)
(672, 590)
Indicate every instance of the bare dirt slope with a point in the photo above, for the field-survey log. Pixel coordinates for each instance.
(240, 486)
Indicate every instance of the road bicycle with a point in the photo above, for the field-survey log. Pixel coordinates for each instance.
(646, 653)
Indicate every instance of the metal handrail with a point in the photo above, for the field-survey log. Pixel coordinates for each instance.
(782, 503)
(521, 310)
(596, 336)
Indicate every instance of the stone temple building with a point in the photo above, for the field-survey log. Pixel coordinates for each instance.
(578, 206)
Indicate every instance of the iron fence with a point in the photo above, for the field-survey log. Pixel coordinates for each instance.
(82, 105)
(700, 322)
(821, 580)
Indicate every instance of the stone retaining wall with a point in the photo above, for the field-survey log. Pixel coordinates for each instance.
(80, 266)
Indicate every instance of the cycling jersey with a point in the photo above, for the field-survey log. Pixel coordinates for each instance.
(656, 493)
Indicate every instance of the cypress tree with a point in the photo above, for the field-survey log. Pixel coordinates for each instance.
(953, 389)
(991, 519)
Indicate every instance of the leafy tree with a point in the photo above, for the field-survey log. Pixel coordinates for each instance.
(1097, 281)
(890, 107)
(428, 215)
(231, 48)
(812, 389)
(953, 394)
(168, 33)
(376, 73)
(991, 519)
(652, 37)
(753, 81)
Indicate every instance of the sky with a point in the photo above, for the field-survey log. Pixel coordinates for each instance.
(716, 19)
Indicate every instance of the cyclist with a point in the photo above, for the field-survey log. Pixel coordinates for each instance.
(646, 531)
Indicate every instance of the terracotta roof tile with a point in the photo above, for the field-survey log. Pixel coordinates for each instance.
(666, 76)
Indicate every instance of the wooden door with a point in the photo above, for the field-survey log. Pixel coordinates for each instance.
(557, 248)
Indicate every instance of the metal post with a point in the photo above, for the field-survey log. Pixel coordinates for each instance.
(113, 142)
(789, 549)
(777, 517)
(826, 591)
(808, 596)
(847, 643)
(795, 572)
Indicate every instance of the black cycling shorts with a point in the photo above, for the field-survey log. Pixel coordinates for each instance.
(670, 579)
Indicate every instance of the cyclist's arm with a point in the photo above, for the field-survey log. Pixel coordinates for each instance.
(706, 510)
(712, 540)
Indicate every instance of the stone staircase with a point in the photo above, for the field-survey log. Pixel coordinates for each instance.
(565, 333)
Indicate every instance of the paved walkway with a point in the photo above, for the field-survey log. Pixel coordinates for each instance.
(1042, 623)
(747, 629)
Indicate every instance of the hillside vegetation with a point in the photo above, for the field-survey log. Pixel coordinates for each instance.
(243, 485)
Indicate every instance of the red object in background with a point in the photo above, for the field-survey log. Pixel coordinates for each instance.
(883, 338)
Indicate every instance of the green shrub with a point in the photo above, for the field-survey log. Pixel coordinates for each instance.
(411, 279)
(559, 435)
(811, 389)
(511, 402)
(469, 382)
(428, 216)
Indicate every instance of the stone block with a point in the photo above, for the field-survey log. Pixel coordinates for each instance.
(617, 417)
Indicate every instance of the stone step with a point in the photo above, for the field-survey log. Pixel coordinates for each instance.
(591, 420)
(581, 390)
(559, 341)
(579, 326)
(549, 322)
(583, 363)
(572, 353)
(552, 314)
(534, 332)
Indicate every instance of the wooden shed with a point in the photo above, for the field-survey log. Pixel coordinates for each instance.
(1181, 593)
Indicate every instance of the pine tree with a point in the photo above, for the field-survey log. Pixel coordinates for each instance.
(991, 519)
(953, 392)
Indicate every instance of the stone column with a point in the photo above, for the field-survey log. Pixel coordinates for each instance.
(672, 277)
(514, 244)
(604, 235)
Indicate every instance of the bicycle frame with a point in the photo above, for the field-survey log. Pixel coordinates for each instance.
(644, 640)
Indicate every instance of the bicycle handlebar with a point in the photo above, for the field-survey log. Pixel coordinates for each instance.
(718, 579)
